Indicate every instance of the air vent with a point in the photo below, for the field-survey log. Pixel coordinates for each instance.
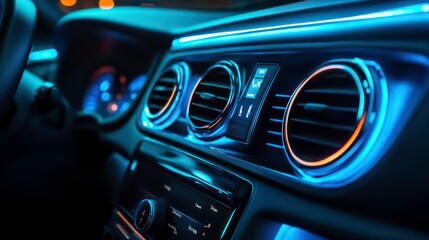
(213, 98)
(275, 121)
(326, 114)
(164, 93)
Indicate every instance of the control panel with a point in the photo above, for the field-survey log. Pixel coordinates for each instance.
(176, 196)
(245, 117)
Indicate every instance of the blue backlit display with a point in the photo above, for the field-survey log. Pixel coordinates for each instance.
(110, 94)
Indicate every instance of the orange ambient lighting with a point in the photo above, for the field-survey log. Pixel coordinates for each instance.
(68, 3)
(122, 217)
(106, 4)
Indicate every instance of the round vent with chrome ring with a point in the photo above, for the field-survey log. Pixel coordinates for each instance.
(164, 94)
(327, 116)
(213, 98)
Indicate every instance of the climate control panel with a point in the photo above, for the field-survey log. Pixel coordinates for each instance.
(177, 196)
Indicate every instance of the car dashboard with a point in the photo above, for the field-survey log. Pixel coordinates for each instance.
(302, 121)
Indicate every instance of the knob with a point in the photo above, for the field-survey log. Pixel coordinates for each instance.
(48, 97)
(149, 215)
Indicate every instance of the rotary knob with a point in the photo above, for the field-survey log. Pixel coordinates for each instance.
(149, 215)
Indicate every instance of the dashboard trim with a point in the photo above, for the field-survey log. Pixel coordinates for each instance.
(278, 32)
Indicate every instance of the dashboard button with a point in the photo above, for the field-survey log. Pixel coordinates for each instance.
(254, 87)
(198, 206)
(149, 215)
(214, 209)
(261, 72)
(180, 226)
(144, 215)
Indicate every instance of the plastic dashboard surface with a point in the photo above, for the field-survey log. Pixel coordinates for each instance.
(386, 188)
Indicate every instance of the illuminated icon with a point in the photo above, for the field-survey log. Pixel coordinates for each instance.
(198, 206)
(193, 230)
(256, 83)
(213, 208)
(177, 213)
(261, 72)
(249, 110)
(204, 234)
(208, 225)
(168, 188)
(174, 228)
(241, 111)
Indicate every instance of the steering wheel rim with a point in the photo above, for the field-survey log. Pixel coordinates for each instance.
(17, 23)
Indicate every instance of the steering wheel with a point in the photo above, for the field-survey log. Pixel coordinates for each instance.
(17, 22)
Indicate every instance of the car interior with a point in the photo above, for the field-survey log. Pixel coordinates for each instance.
(214, 119)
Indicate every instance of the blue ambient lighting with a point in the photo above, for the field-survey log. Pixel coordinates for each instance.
(414, 9)
(286, 232)
(137, 84)
(124, 107)
(227, 224)
(43, 55)
(134, 166)
(105, 96)
(105, 85)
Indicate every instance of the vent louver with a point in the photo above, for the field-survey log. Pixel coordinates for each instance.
(275, 121)
(213, 97)
(164, 93)
(325, 116)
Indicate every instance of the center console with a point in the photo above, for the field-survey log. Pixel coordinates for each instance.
(169, 194)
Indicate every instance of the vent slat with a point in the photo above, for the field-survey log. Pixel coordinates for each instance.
(283, 95)
(215, 85)
(276, 120)
(322, 124)
(156, 106)
(279, 108)
(274, 145)
(215, 96)
(160, 97)
(171, 80)
(201, 119)
(160, 88)
(274, 133)
(315, 140)
(322, 107)
(206, 107)
(340, 91)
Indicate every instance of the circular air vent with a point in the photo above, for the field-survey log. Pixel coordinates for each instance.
(164, 93)
(326, 114)
(213, 97)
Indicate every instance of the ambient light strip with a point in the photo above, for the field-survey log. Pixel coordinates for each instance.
(43, 56)
(409, 10)
(122, 217)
